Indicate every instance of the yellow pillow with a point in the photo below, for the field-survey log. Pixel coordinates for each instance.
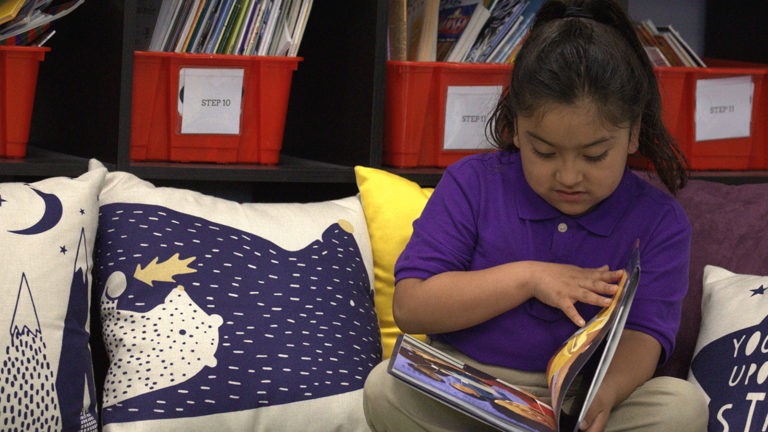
(391, 203)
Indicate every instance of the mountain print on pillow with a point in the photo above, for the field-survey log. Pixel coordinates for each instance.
(200, 318)
(47, 231)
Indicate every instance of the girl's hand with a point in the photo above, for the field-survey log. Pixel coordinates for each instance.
(597, 415)
(561, 286)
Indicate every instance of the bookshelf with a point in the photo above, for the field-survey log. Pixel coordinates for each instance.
(335, 115)
(334, 121)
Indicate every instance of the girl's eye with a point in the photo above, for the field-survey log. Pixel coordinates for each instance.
(597, 158)
(543, 155)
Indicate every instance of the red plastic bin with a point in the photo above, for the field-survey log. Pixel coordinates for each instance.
(156, 121)
(678, 91)
(415, 109)
(19, 66)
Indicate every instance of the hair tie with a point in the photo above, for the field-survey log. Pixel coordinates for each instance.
(577, 12)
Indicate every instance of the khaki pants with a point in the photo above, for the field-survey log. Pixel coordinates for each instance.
(661, 404)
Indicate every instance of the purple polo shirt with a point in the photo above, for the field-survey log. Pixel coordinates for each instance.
(483, 213)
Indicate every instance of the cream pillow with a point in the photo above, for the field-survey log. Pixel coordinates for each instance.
(730, 362)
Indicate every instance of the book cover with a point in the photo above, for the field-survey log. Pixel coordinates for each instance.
(280, 39)
(507, 49)
(256, 25)
(229, 26)
(201, 26)
(422, 16)
(300, 26)
(238, 25)
(586, 355)
(266, 39)
(669, 52)
(41, 15)
(186, 30)
(219, 22)
(504, 13)
(689, 52)
(397, 28)
(175, 29)
(9, 9)
(470, 34)
(454, 19)
(245, 30)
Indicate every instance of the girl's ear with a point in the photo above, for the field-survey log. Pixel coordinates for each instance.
(634, 137)
(516, 136)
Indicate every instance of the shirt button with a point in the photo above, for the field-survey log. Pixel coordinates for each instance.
(562, 227)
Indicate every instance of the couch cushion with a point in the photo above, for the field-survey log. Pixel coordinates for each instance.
(391, 204)
(729, 225)
(47, 232)
(730, 361)
(225, 316)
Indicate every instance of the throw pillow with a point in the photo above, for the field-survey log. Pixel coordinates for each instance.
(47, 232)
(224, 316)
(730, 361)
(391, 203)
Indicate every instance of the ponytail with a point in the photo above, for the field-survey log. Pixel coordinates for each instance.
(589, 49)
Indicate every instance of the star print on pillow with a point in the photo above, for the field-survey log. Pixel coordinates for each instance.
(47, 232)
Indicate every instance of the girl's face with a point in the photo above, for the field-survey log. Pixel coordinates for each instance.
(572, 157)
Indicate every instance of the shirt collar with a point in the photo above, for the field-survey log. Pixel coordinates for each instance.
(601, 220)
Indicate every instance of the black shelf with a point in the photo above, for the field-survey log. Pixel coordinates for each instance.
(43, 163)
(335, 116)
(289, 169)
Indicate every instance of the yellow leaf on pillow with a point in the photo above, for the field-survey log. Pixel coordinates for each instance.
(391, 203)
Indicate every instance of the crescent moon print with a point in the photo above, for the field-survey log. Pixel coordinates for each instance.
(51, 215)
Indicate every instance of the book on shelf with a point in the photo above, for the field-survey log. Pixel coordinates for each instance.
(504, 14)
(29, 22)
(665, 46)
(421, 29)
(397, 30)
(504, 32)
(577, 368)
(239, 27)
(459, 24)
(508, 48)
(9, 9)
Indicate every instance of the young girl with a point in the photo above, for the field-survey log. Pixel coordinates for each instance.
(517, 248)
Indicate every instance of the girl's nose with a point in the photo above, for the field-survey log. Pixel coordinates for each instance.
(568, 173)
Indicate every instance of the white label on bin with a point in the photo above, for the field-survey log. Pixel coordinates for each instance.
(723, 108)
(467, 109)
(210, 100)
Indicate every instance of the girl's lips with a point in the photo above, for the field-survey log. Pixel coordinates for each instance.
(569, 195)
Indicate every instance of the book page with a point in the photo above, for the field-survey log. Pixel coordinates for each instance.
(467, 389)
(586, 355)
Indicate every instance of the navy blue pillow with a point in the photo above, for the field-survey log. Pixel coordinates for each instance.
(225, 316)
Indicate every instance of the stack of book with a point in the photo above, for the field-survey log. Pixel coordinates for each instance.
(28, 22)
(238, 27)
(665, 46)
(492, 31)
(473, 31)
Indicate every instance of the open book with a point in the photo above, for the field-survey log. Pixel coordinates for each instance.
(578, 367)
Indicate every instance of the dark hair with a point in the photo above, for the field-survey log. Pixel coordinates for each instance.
(580, 49)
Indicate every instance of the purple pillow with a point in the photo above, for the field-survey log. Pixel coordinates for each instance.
(729, 224)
